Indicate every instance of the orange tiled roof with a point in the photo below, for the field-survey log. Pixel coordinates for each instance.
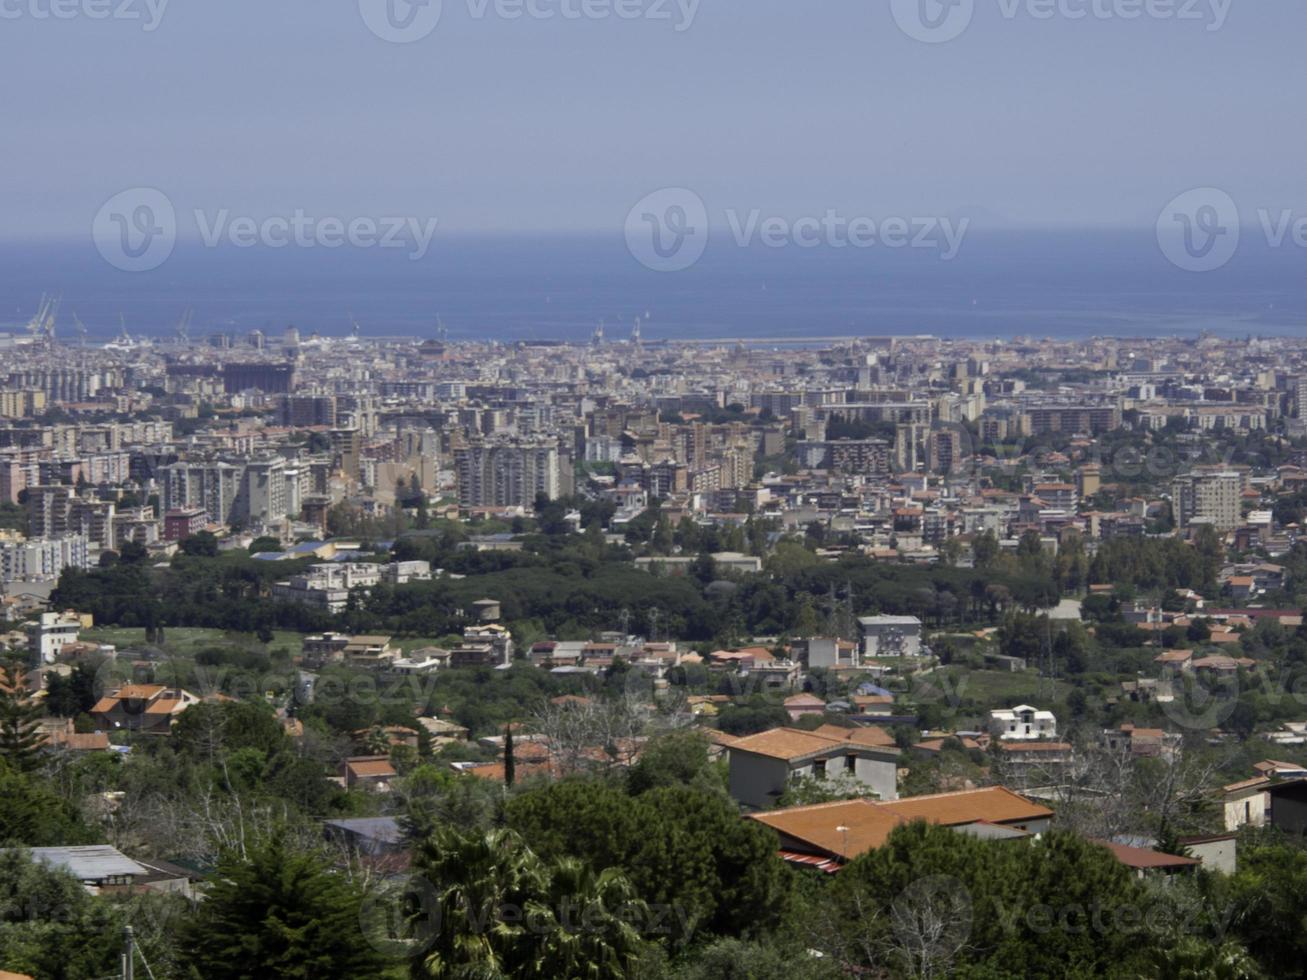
(792, 743)
(994, 804)
(1143, 857)
(139, 692)
(865, 825)
(371, 767)
(868, 735)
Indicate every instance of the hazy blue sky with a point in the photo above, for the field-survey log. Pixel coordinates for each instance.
(265, 106)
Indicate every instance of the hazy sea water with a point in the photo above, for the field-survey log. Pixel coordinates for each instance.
(1059, 284)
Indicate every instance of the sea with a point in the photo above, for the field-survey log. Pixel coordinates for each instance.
(1061, 284)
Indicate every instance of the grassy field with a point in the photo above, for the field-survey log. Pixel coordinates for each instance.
(183, 640)
(1002, 688)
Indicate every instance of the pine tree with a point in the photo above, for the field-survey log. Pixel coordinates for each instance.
(278, 913)
(20, 718)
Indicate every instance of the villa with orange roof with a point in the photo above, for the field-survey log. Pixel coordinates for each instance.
(149, 708)
(837, 832)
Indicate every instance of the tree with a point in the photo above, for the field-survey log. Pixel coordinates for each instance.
(278, 913)
(680, 846)
(20, 718)
(985, 549)
(202, 544)
(931, 902)
(510, 764)
(50, 926)
(492, 909)
(32, 813)
(674, 759)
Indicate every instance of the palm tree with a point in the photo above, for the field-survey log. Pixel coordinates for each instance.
(482, 884)
(499, 911)
(1193, 959)
(594, 937)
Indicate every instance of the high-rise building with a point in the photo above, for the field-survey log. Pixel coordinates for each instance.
(1208, 497)
(214, 486)
(40, 559)
(507, 474)
(945, 450)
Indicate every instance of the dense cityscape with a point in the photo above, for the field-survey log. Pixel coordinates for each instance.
(859, 656)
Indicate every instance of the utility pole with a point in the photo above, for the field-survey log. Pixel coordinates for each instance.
(129, 954)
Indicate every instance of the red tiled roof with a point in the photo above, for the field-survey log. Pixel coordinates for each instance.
(1143, 857)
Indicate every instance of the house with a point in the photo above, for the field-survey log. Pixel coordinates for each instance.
(99, 867)
(372, 772)
(485, 645)
(1146, 862)
(1023, 756)
(828, 652)
(427, 660)
(60, 734)
(51, 632)
(762, 766)
(799, 705)
(890, 636)
(323, 648)
(1218, 852)
(1175, 659)
(369, 651)
(148, 708)
(1241, 586)
(1022, 723)
(1219, 664)
(443, 732)
(1280, 770)
(826, 835)
(872, 735)
(1287, 805)
(1145, 742)
(378, 841)
(1245, 803)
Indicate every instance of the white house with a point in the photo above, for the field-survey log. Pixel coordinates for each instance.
(1022, 723)
(47, 636)
(890, 636)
